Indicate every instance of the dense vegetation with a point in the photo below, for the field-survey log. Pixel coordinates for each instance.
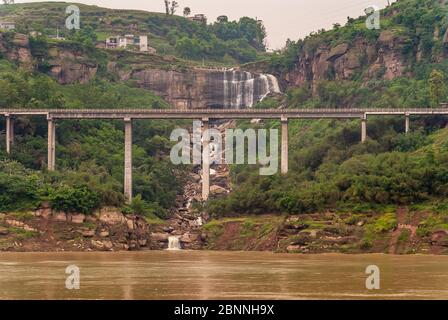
(89, 153)
(329, 168)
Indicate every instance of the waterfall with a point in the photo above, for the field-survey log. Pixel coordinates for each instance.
(243, 89)
(173, 243)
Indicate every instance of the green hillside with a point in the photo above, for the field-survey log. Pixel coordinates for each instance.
(226, 42)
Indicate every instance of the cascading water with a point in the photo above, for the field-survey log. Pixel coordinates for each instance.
(243, 89)
(173, 243)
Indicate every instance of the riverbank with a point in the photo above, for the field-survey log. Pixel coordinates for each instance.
(396, 232)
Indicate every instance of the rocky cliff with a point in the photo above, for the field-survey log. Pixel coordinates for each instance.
(198, 88)
(381, 59)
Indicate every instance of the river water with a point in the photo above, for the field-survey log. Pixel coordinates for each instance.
(220, 275)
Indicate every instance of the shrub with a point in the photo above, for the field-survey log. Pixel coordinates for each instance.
(74, 199)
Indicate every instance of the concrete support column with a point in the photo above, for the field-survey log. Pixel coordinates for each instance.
(205, 160)
(407, 124)
(128, 159)
(284, 146)
(51, 157)
(364, 128)
(9, 133)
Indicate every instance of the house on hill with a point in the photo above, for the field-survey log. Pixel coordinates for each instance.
(139, 43)
(202, 18)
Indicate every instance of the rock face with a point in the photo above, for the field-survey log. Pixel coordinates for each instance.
(17, 48)
(71, 67)
(381, 58)
(204, 88)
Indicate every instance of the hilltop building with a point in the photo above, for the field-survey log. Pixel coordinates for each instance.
(202, 18)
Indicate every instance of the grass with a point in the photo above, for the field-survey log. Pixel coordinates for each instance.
(154, 220)
(22, 234)
(22, 215)
(385, 223)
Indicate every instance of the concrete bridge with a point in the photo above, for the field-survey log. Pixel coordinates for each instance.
(205, 115)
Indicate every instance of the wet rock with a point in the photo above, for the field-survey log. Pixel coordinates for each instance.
(102, 245)
(143, 242)
(294, 248)
(190, 237)
(160, 237)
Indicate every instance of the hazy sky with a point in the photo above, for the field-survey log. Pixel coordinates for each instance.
(283, 19)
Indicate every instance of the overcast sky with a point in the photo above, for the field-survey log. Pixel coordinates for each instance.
(283, 19)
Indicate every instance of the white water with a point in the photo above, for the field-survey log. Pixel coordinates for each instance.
(173, 243)
(243, 89)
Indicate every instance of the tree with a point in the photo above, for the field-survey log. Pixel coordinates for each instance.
(8, 1)
(187, 11)
(167, 7)
(222, 19)
(437, 89)
(174, 6)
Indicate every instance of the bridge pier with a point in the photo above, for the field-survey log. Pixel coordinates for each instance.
(128, 159)
(407, 123)
(51, 157)
(363, 129)
(205, 160)
(284, 146)
(9, 133)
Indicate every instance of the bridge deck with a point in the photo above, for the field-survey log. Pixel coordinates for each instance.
(217, 113)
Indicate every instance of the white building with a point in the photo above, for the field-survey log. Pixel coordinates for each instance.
(139, 42)
(7, 25)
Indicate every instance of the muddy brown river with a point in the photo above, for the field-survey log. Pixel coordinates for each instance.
(220, 275)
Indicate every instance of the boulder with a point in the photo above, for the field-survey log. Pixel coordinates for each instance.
(104, 233)
(130, 223)
(190, 237)
(217, 190)
(60, 216)
(3, 231)
(111, 216)
(77, 218)
(88, 233)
